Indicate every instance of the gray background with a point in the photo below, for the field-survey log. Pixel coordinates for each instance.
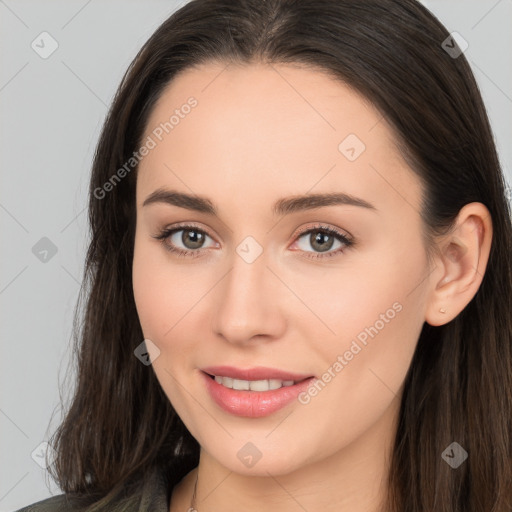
(52, 111)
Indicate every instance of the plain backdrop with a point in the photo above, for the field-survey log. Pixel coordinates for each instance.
(52, 111)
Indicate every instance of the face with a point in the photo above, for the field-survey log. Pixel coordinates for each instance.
(330, 289)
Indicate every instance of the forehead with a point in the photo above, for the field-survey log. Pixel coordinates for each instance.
(288, 126)
(285, 91)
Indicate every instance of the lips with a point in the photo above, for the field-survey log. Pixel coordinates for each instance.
(249, 403)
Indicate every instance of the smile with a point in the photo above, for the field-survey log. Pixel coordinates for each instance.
(253, 397)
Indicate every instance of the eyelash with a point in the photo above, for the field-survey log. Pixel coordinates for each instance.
(181, 253)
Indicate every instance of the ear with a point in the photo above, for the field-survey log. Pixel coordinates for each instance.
(460, 264)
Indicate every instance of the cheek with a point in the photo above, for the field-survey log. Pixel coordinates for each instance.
(367, 289)
(161, 300)
(162, 292)
(376, 313)
(148, 296)
(157, 290)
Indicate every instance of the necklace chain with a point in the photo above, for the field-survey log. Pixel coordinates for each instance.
(193, 502)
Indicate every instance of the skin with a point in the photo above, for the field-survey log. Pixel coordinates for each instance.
(260, 133)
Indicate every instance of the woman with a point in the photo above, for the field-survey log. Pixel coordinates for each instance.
(299, 276)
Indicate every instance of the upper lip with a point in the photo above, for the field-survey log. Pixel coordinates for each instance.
(256, 373)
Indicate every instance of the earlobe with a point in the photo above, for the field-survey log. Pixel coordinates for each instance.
(462, 258)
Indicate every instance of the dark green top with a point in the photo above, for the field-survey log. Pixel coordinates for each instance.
(151, 495)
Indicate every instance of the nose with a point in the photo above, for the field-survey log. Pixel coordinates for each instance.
(248, 303)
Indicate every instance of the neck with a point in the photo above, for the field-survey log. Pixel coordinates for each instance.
(353, 479)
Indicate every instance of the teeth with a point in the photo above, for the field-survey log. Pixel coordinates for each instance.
(275, 384)
(241, 384)
(253, 385)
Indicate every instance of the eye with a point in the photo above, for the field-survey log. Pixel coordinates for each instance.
(185, 240)
(324, 240)
(189, 241)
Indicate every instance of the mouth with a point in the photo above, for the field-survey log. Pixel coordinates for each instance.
(253, 396)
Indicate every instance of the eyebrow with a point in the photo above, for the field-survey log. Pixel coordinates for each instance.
(283, 206)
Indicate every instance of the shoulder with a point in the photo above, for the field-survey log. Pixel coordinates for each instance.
(149, 494)
(58, 503)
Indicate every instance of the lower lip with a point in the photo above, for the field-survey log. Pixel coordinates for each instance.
(253, 404)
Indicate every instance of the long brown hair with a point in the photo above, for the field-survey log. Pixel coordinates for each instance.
(120, 425)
